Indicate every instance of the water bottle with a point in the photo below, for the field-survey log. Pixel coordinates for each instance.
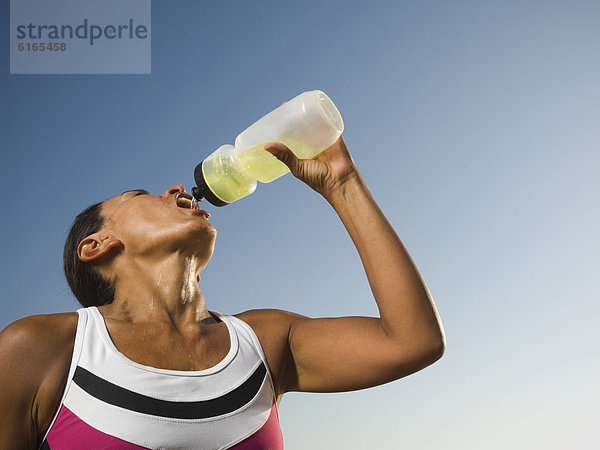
(307, 124)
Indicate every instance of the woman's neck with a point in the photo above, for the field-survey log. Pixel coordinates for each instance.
(162, 291)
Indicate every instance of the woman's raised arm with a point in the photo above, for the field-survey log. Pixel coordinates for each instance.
(338, 354)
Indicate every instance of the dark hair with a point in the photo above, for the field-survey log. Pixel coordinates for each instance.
(86, 282)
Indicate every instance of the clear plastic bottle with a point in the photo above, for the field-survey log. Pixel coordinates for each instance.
(307, 124)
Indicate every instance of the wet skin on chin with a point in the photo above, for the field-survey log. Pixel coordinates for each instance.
(143, 221)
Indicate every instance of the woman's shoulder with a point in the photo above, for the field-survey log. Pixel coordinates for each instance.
(35, 355)
(37, 343)
(268, 315)
(266, 322)
(272, 327)
(40, 341)
(45, 330)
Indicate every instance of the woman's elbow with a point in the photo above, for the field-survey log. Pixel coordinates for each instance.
(436, 349)
(421, 355)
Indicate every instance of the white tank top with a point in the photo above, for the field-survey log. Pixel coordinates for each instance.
(158, 408)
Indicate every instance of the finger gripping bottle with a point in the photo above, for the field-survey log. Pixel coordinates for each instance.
(307, 124)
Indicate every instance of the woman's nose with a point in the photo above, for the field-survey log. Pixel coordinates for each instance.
(175, 189)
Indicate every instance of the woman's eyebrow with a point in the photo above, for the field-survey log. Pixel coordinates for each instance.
(137, 192)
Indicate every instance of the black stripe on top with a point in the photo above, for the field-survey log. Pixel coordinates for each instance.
(124, 398)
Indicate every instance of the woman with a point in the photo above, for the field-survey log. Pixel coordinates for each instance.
(147, 365)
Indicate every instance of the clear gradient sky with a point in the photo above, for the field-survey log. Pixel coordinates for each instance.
(476, 127)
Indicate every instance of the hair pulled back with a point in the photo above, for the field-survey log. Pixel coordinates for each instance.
(88, 285)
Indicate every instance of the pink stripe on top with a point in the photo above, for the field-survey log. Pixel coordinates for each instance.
(268, 437)
(69, 432)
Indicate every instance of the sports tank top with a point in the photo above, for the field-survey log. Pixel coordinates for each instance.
(113, 402)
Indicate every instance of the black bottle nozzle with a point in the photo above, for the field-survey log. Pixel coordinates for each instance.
(197, 194)
(202, 190)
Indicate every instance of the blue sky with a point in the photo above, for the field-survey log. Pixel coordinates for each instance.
(476, 127)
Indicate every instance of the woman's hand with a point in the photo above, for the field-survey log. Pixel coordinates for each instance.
(326, 173)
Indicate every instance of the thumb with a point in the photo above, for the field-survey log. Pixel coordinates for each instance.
(283, 154)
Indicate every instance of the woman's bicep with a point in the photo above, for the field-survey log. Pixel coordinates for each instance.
(348, 353)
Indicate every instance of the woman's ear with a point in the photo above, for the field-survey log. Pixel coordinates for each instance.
(95, 246)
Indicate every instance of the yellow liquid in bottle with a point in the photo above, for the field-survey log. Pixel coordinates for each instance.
(226, 178)
(264, 167)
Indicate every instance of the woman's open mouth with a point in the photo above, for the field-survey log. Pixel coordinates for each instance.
(186, 201)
